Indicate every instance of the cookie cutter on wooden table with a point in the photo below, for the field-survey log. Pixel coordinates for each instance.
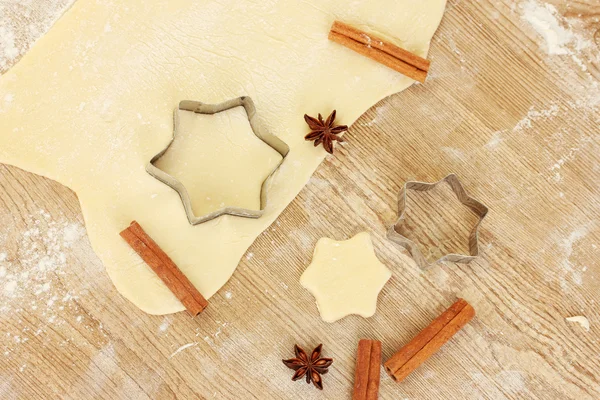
(201, 108)
(477, 207)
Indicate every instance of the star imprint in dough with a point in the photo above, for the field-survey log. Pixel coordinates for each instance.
(258, 129)
(345, 277)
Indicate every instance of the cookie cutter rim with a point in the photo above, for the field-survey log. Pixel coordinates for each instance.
(474, 205)
(259, 131)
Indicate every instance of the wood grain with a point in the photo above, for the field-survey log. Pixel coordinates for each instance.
(518, 126)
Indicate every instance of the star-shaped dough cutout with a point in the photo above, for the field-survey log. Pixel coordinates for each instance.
(345, 277)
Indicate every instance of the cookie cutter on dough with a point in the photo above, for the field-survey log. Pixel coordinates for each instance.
(260, 132)
(477, 207)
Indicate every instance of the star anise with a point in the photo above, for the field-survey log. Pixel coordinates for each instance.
(325, 132)
(312, 367)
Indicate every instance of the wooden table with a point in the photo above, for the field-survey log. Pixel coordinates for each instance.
(519, 127)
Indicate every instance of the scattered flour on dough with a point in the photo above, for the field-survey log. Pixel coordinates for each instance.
(581, 320)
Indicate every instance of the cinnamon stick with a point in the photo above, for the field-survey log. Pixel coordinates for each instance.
(429, 341)
(380, 50)
(368, 360)
(381, 44)
(165, 268)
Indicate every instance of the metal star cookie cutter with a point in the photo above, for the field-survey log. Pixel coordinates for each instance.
(478, 208)
(260, 132)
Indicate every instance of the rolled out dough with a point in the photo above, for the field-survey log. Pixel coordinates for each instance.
(92, 102)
